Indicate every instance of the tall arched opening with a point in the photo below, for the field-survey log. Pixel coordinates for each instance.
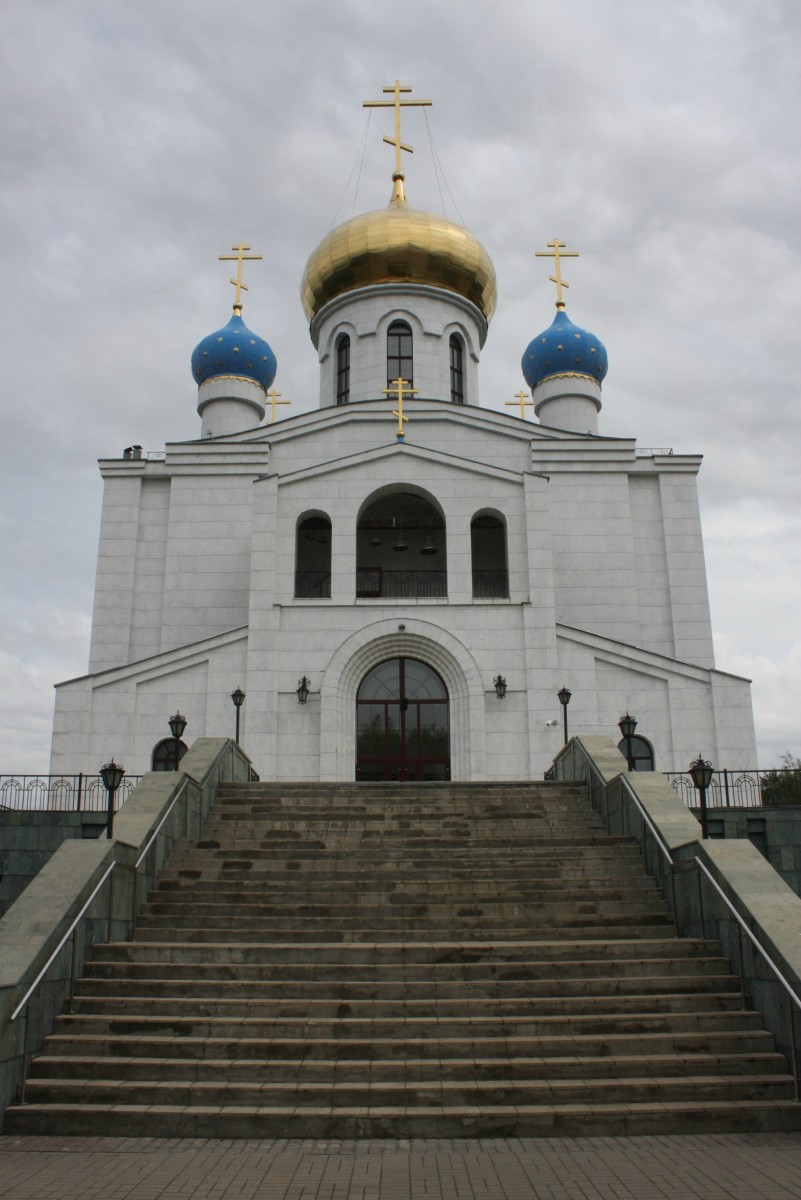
(402, 723)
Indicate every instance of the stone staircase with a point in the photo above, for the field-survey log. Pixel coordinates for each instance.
(406, 960)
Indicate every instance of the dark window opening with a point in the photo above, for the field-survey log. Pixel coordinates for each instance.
(163, 758)
(343, 369)
(642, 752)
(399, 353)
(488, 554)
(457, 370)
(313, 559)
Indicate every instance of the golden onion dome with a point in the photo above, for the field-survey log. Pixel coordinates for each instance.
(399, 244)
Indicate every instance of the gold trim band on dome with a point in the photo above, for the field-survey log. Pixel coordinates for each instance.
(567, 375)
(238, 378)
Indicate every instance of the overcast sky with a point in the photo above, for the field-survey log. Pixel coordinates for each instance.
(140, 140)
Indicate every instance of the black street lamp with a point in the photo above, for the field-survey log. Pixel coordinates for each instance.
(500, 686)
(111, 774)
(177, 726)
(627, 724)
(303, 687)
(564, 699)
(702, 772)
(238, 698)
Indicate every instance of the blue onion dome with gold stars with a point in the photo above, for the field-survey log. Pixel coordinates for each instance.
(564, 349)
(234, 350)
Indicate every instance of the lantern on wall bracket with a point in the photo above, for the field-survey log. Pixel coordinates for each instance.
(500, 686)
(303, 689)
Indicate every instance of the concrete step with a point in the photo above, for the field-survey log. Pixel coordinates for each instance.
(437, 1008)
(258, 1070)
(141, 1043)
(412, 1093)
(344, 1027)
(519, 1120)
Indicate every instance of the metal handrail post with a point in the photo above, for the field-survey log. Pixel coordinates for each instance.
(26, 1045)
(80, 790)
(701, 912)
(741, 966)
(110, 909)
(73, 970)
(793, 1049)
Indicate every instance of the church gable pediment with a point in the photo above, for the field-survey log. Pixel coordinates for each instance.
(390, 460)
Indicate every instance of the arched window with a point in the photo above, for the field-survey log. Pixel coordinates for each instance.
(313, 558)
(488, 552)
(399, 353)
(401, 548)
(457, 370)
(163, 758)
(642, 752)
(343, 369)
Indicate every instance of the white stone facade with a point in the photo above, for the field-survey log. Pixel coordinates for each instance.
(202, 586)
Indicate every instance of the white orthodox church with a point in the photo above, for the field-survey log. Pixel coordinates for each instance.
(401, 552)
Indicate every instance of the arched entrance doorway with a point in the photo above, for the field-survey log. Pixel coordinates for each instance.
(402, 726)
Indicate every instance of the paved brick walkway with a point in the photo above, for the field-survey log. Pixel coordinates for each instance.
(764, 1166)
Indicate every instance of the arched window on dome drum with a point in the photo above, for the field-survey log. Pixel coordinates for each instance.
(642, 752)
(343, 369)
(400, 363)
(313, 558)
(488, 553)
(457, 369)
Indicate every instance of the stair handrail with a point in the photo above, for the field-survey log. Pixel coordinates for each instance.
(76, 920)
(121, 854)
(791, 992)
(183, 787)
(25, 1002)
(694, 859)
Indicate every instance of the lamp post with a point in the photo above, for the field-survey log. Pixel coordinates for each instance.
(177, 726)
(563, 696)
(111, 774)
(500, 686)
(702, 772)
(303, 687)
(627, 724)
(238, 698)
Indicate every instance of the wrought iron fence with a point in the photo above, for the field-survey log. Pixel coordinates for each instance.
(312, 585)
(490, 585)
(376, 582)
(61, 793)
(741, 789)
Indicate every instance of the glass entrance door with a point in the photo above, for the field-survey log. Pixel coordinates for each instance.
(402, 728)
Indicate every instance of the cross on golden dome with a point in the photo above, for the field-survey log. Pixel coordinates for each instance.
(239, 257)
(557, 252)
(396, 103)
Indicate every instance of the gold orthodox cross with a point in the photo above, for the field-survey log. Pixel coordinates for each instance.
(397, 389)
(397, 104)
(557, 252)
(272, 398)
(521, 398)
(239, 257)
